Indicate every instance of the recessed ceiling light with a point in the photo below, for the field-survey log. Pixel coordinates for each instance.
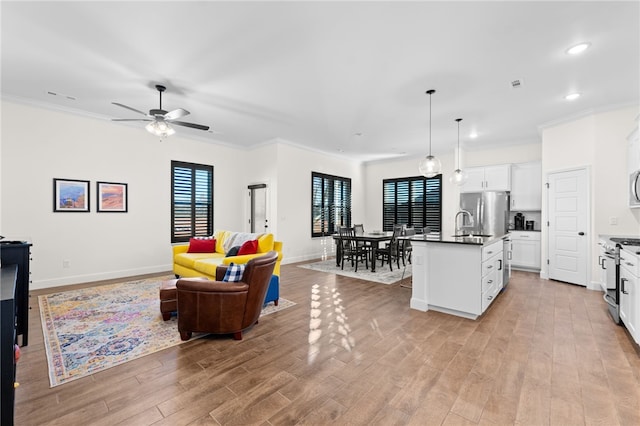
(473, 135)
(578, 48)
(572, 96)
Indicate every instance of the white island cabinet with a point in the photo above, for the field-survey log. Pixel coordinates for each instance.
(458, 276)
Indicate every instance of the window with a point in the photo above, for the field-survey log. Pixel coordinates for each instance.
(414, 201)
(191, 201)
(330, 204)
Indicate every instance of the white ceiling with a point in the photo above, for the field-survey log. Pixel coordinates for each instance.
(318, 73)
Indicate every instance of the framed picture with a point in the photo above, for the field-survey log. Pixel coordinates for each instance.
(70, 195)
(112, 197)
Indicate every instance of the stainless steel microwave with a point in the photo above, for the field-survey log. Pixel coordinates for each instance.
(634, 189)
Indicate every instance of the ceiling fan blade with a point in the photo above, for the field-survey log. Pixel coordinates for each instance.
(176, 113)
(129, 108)
(131, 119)
(194, 126)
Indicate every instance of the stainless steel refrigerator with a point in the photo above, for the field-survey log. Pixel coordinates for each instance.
(490, 212)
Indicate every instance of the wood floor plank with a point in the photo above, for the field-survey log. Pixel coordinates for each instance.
(353, 352)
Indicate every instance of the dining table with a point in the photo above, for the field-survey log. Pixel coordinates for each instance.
(373, 238)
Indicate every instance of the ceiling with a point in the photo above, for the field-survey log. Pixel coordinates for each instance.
(346, 78)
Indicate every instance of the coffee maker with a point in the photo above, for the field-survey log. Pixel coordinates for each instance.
(518, 220)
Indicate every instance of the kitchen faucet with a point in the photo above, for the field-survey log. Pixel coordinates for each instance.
(463, 213)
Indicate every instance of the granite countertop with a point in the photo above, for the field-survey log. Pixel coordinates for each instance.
(472, 240)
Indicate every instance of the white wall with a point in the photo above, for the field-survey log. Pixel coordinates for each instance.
(294, 202)
(39, 145)
(597, 142)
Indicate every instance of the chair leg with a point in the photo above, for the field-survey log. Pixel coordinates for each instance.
(237, 335)
(185, 335)
(166, 316)
(275, 302)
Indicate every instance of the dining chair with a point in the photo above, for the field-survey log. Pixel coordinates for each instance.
(350, 248)
(390, 252)
(405, 247)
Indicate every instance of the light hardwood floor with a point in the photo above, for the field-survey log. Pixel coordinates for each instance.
(352, 352)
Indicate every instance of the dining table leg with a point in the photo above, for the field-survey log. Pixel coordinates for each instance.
(374, 249)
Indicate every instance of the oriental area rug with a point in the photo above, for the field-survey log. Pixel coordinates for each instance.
(382, 275)
(92, 329)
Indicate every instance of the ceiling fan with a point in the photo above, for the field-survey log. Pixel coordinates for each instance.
(159, 119)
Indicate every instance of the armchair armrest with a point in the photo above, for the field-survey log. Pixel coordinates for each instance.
(206, 286)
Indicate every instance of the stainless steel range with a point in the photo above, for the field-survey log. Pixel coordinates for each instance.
(610, 263)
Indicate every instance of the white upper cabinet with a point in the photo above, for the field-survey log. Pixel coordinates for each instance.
(526, 186)
(488, 178)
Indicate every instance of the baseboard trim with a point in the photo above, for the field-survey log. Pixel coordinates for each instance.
(87, 278)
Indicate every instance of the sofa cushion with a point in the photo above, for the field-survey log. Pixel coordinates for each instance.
(202, 245)
(234, 273)
(207, 266)
(220, 237)
(265, 243)
(248, 247)
(188, 260)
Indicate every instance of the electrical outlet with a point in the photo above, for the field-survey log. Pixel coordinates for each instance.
(613, 220)
(66, 263)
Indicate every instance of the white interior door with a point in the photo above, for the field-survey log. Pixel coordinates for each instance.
(568, 225)
(258, 204)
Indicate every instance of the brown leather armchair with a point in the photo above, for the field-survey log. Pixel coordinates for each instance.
(224, 307)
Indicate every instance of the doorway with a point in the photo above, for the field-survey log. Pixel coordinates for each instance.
(569, 223)
(258, 208)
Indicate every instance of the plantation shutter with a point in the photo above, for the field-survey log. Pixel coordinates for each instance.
(415, 201)
(330, 203)
(192, 201)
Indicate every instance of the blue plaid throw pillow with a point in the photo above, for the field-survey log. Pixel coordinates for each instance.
(234, 273)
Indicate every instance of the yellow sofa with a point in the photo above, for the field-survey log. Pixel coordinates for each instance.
(205, 264)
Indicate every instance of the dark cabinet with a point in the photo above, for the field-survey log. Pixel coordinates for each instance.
(7, 341)
(12, 253)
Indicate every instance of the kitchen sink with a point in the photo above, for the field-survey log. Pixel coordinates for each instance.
(472, 235)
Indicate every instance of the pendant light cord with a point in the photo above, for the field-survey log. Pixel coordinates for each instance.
(458, 120)
(430, 92)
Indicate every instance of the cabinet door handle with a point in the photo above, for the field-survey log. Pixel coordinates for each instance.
(489, 266)
(489, 252)
(500, 268)
(580, 233)
(490, 298)
(630, 264)
(490, 281)
(622, 289)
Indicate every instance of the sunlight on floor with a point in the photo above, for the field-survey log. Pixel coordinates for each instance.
(336, 326)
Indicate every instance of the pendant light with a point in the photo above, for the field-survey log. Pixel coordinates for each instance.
(429, 166)
(459, 177)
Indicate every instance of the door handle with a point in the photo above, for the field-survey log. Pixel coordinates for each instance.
(500, 268)
(580, 233)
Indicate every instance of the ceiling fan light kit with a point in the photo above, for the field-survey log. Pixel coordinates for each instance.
(160, 128)
(429, 166)
(160, 120)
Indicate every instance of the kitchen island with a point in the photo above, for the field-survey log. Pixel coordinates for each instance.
(456, 275)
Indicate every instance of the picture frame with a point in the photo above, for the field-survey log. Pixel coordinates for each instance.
(71, 195)
(112, 197)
